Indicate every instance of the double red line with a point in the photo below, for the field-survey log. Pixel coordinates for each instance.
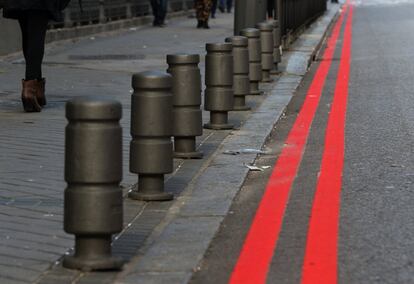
(321, 251)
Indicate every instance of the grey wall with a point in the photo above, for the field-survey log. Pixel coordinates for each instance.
(9, 36)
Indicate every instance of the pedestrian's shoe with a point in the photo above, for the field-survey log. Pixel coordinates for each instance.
(41, 98)
(205, 25)
(30, 91)
(200, 24)
(221, 8)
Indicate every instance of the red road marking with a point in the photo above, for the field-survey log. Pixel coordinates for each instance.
(320, 264)
(253, 263)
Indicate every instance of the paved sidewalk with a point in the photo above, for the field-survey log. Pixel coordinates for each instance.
(161, 241)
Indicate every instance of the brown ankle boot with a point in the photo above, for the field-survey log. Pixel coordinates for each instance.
(41, 98)
(30, 91)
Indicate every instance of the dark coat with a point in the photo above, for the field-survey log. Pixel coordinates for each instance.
(14, 8)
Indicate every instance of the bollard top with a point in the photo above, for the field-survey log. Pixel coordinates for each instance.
(250, 32)
(93, 108)
(239, 41)
(219, 47)
(151, 80)
(265, 26)
(274, 23)
(182, 58)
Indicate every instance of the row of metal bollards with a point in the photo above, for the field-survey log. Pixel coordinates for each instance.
(164, 105)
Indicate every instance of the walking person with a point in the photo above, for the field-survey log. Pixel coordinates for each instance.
(271, 9)
(33, 17)
(203, 9)
(214, 9)
(226, 5)
(159, 10)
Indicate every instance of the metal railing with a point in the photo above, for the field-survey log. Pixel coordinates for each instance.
(292, 14)
(102, 11)
(298, 13)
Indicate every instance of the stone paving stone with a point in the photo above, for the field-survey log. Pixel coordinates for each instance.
(155, 278)
(169, 254)
(11, 280)
(18, 273)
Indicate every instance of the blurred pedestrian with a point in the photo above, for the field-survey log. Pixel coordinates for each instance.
(159, 10)
(203, 9)
(33, 17)
(214, 8)
(226, 5)
(271, 9)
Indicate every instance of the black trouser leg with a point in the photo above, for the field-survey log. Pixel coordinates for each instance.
(270, 8)
(33, 25)
(155, 11)
(229, 5)
(214, 8)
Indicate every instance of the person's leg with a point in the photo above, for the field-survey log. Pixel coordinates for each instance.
(270, 8)
(206, 13)
(155, 12)
(199, 6)
(229, 5)
(214, 8)
(163, 11)
(221, 6)
(36, 27)
(23, 24)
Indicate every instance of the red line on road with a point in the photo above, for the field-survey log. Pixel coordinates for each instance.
(320, 264)
(254, 259)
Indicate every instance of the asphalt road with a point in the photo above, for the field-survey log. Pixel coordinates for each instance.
(371, 239)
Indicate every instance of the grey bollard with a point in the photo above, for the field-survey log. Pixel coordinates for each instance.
(219, 99)
(255, 58)
(93, 170)
(187, 122)
(151, 131)
(241, 82)
(266, 40)
(277, 56)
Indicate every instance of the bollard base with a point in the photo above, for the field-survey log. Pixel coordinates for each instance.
(240, 103)
(275, 72)
(270, 80)
(88, 264)
(142, 196)
(225, 126)
(219, 121)
(254, 89)
(151, 188)
(92, 252)
(185, 148)
(266, 77)
(188, 155)
(241, 108)
(256, 93)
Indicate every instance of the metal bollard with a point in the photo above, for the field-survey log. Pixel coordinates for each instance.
(277, 56)
(187, 122)
(241, 83)
(93, 171)
(255, 66)
(219, 99)
(266, 39)
(151, 131)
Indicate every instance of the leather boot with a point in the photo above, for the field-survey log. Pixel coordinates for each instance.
(205, 25)
(200, 24)
(30, 91)
(41, 98)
